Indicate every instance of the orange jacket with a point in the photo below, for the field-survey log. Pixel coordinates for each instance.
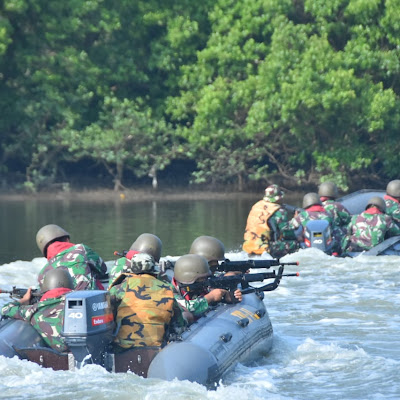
(258, 232)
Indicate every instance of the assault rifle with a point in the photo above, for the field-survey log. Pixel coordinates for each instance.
(245, 265)
(231, 283)
(121, 254)
(291, 208)
(18, 293)
(242, 265)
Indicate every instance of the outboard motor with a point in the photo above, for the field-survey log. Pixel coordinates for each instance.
(317, 234)
(88, 325)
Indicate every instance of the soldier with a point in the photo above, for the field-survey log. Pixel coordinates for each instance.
(47, 315)
(211, 248)
(328, 192)
(145, 307)
(192, 268)
(314, 210)
(392, 200)
(145, 245)
(85, 266)
(267, 227)
(369, 228)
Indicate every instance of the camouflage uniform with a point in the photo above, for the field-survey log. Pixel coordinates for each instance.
(267, 227)
(368, 230)
(144, 306)
(285, 240)
(392, 208)
(341, 216)
(197, 306)
(317, 212)
(46, 317)
(311, 214)
(84, 265)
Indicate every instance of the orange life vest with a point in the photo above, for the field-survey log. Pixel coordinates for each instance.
(258, 233)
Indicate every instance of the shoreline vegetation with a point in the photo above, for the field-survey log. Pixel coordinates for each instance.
(141, 195)
(300, 91)
(129, 195)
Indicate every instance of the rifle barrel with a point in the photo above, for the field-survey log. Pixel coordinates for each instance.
(230, 282)
(243, 266)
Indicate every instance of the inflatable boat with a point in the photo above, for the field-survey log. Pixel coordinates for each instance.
(228, 334)
(204, 353)
(356, 203)
(318, 236)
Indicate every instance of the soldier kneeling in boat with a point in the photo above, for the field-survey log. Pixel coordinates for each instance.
(84, 265)
(193, 268)
(267, 226)
(213, 250)
(392, 200)
(47, 315)
(146, 311)
(145, 244)
(328, 192)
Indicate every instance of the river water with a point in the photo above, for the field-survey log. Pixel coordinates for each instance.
(114, 225)
(336, 326)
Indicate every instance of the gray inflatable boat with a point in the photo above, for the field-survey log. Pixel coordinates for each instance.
(356, 203)
(13, 332)
(228, 334)
(211, 347)
(317, 234)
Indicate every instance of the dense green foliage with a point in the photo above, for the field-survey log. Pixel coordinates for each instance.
(294, 91)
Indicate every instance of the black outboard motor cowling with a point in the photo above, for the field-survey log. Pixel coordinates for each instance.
(317, 234)
(88, 325)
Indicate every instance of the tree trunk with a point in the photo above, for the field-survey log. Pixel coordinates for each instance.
(240, 182)
(118, 177)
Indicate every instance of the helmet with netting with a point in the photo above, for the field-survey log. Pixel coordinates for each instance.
(191, 267)
(48, 234)
(149, 244)
(273, 193)
(139, 263)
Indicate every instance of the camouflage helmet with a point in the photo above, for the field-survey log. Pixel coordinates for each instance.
(149, 244)
(56, 278)
(273, 193)
(377, 202)
(328, 189)
(209, 247)
(139, 263)
(393, 188)
(48, 234)
(190, 267)
(311, 199)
